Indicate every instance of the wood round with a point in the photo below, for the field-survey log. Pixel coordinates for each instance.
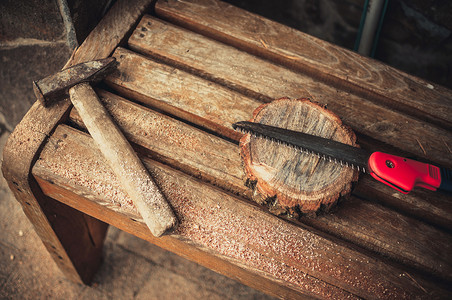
(287, 180)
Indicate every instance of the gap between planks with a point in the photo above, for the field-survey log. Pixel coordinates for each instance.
(334, 65)
(218, 221)
(243, 72)
(210, 105)
(217, 161)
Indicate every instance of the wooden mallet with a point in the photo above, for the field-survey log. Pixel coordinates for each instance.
(128, 168)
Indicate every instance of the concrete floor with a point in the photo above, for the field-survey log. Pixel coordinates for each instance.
(132, 268)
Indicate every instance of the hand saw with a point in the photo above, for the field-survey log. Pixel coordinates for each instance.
(400, 173)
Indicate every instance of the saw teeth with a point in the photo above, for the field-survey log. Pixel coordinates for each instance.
(302, 150)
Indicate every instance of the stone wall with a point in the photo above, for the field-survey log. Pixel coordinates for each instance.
(36, 39)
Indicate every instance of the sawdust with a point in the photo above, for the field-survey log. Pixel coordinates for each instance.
(270, 245)
(223, 225)
(175, 143)
(83, 170)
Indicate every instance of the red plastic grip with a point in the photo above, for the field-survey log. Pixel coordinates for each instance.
(403, 174)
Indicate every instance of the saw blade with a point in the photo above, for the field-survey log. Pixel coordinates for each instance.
(326, 149)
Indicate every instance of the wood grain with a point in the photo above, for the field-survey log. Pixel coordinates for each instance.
(215, 107)
(111, 30)
(199, 254)
(191, 98)
(175, 143)
(333, 65)
(24, 144)
(266, 81)
(434, 208)
(215, 61)
(294, 182)
(216, 161)
(310, 288)
(220, 230)
(240, 233)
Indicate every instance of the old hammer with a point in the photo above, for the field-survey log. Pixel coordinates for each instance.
(132, 175)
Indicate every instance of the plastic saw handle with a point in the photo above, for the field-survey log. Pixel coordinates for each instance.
(404, 174)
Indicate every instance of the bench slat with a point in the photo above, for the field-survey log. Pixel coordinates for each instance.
(26, 141)
(264, 80)
(217, 161)
(220, 224)
(319, 59)
(213, 106)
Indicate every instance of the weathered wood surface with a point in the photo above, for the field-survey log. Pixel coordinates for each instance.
(172, 142)
(286, 179)
(433, 208)
(215, 61)
(24, 144)
(201, 102)
(318, 59)
(187, 250)
(198, 101)
(266, 81)
(120, 20)
(215, 107)
(225, 227)
(212, 85)
(217, 161)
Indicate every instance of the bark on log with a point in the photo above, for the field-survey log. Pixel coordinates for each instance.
(287, 180)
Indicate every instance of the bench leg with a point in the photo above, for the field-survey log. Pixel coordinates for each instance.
(73, 239)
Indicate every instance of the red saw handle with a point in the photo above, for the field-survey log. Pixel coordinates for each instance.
(404, 174)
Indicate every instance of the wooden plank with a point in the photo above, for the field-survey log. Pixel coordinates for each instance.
(199, 255)
(375, 227)
(81, 235)
(111, 30)
(266, 81)
(191, 98)
(112, 206)
(319, 59)
(237, 232)
(217, 161)
(432, 207)
(312, 288)
(213, 106)
(173, 142)
(24, 144)
(218, 62)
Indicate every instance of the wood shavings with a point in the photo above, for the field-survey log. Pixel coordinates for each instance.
(420, 145)
(225, 226)
(447, 146)
(420, 286)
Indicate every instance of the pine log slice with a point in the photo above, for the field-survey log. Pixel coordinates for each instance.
(287, 180)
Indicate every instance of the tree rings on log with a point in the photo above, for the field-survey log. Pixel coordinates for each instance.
(287, 180)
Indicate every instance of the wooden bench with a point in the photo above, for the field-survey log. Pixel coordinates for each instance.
(187, 71)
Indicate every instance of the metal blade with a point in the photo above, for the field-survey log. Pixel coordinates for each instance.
(324, 148)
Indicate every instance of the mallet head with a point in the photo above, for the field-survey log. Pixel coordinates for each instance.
(54, 87)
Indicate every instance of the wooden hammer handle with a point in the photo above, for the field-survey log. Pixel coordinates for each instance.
(129, 169)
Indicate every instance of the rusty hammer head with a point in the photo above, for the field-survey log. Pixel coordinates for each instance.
(53, 87)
